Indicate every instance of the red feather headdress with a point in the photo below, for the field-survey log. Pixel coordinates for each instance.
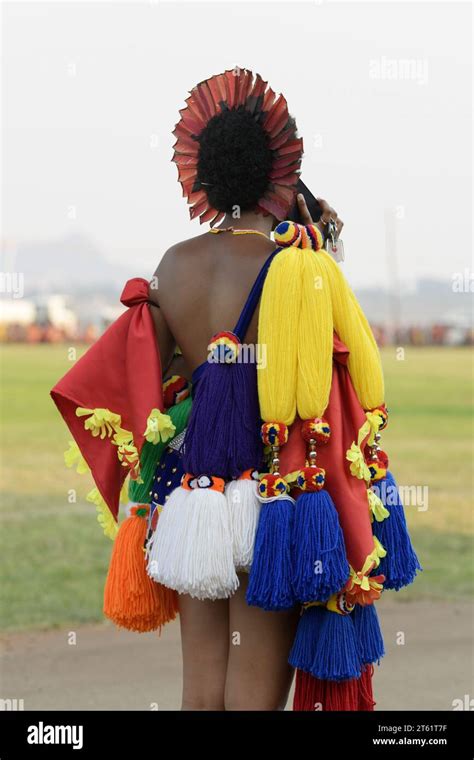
(233, 89)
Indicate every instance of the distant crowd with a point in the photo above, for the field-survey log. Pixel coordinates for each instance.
(35, 333)
(433, 335)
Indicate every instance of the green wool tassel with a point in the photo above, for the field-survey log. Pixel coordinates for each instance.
(151, 453)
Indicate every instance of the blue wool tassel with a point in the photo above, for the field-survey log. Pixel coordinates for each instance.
(270, 575)
(304, 646)
(401, 564)
(368, 633)
(337, 654)
(330, 640)
(320, 566)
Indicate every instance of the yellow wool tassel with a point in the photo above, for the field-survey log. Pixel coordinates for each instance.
(358, 466)
(305, 298)
(277, 330)
(131, 598)
(94, 497)
(100, 422)
(295, 313)
(315, 337)
(105, 517)
(106, 520)
(377, 510)
(159, 427)
(73, 457)
(352, 326)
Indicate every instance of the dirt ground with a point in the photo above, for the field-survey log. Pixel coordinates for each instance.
(109, 669)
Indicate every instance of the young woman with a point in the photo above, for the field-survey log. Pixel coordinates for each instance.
(274, 536)
(235, 656)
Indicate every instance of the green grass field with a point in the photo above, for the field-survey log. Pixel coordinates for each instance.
(54, 555)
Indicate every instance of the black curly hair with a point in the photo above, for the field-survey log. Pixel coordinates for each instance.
(234, 160)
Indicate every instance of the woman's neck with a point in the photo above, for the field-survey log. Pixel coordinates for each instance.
(249, 220)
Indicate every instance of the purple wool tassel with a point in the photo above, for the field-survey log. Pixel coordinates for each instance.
(193, 550)
(222, 437)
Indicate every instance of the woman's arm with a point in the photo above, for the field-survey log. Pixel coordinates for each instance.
(166, 344)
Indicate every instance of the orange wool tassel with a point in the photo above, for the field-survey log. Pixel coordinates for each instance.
(131, 598)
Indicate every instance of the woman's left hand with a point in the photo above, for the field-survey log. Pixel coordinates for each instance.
(328, 214)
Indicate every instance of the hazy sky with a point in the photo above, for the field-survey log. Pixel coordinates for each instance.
(381, 94)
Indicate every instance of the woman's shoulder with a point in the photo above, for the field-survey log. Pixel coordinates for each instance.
(182, 247)
(181, 251)
(182, 263)
(178, 254)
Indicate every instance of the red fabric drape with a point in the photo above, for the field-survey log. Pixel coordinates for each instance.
(345, 416)
(120, 372)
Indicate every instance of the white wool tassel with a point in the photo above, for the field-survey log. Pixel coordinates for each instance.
(191, 550)
(244, 510)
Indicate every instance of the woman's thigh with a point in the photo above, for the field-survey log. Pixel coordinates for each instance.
(258, 674)
(205, 646)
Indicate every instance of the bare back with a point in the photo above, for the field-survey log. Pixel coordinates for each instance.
(202, 285)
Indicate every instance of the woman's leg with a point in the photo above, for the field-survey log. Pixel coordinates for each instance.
(258, 674)
(205, 645)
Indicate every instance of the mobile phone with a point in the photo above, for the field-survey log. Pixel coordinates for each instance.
(314, 207)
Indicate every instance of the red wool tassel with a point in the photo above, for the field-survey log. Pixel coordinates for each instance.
(366, 696)
(313, 694)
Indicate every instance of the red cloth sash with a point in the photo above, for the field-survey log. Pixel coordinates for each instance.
(120, 372)
(345, 416)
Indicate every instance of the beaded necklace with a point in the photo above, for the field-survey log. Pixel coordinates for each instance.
(237, 231)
